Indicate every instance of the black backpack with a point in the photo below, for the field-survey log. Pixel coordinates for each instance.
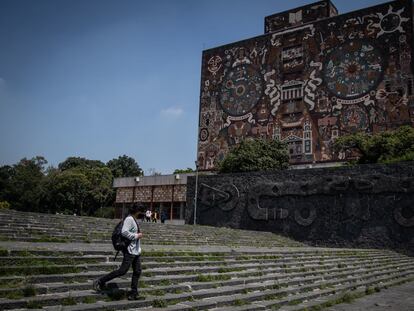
(119, 242)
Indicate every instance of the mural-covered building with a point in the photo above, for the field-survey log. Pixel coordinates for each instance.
(313, 76)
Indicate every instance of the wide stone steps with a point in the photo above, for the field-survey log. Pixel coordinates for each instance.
(228, 295)
(265, 273)
(217, 266)
(173, 261)
(297, 271)
(177, 279)
(18, 226)
(184, 268)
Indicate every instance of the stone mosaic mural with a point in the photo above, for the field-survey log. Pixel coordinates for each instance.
(313, 77)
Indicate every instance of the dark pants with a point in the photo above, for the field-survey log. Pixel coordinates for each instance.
(128, 260)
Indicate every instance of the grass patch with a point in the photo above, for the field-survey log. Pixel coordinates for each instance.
(33, 270)
(240, 302)
(16, 294)
(148, 274)
(226, 270)
(275, 286)
(34, 305)
(29, 291)
(257, 274)
(69, 301)
(211, 278)
(157, 292)
(177, 291)
(274, 296)
(89, 299)
(165, 282)
(294, 302)
(159, 303)
(173, 301)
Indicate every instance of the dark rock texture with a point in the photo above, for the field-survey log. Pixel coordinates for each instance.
(364, 206)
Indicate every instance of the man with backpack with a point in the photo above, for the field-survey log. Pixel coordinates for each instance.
(131, 249)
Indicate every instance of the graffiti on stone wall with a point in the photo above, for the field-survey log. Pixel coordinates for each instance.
(277, 201)
(225, 197)
(309, 84)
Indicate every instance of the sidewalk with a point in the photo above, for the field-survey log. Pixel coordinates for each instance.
(398, 298)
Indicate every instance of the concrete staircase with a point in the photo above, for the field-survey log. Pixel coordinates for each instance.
(203, 268)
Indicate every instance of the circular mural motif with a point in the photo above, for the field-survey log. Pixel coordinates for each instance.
(353, 69)
(240, 91)
(204, 134)
(305, 216)
(390, 22)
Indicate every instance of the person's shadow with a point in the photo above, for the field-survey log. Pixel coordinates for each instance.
(114, 293)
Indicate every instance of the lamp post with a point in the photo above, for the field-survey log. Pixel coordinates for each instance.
(196, 192)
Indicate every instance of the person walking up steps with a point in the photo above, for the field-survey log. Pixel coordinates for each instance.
(148, 215)
(132, 253)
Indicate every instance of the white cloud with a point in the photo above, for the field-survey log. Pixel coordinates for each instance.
(172, 112)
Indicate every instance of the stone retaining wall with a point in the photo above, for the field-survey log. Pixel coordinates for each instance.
(364, 206)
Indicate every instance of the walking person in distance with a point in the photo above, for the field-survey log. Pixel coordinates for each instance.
(131, 232)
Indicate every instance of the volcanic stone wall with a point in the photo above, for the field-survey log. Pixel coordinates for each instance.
(312, 78)
(365, 206)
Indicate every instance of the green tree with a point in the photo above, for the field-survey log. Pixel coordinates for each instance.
(68, 191)
(78, 162)
(183, 171)
(100, 190)
(24, 184)
(124, 166)
(80, 190)
(385, 147)
(256, 155)
(6, 174)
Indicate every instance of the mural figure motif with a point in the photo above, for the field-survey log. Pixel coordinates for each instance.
(313, 77)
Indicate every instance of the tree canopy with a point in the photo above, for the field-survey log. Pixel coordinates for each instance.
(77, 185)
(76, 162)
(256, 155)
(385, 147)
(124, 166)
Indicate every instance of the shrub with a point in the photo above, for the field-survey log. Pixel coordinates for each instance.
(385, 147)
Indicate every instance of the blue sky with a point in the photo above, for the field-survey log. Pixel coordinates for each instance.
(100, 78)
